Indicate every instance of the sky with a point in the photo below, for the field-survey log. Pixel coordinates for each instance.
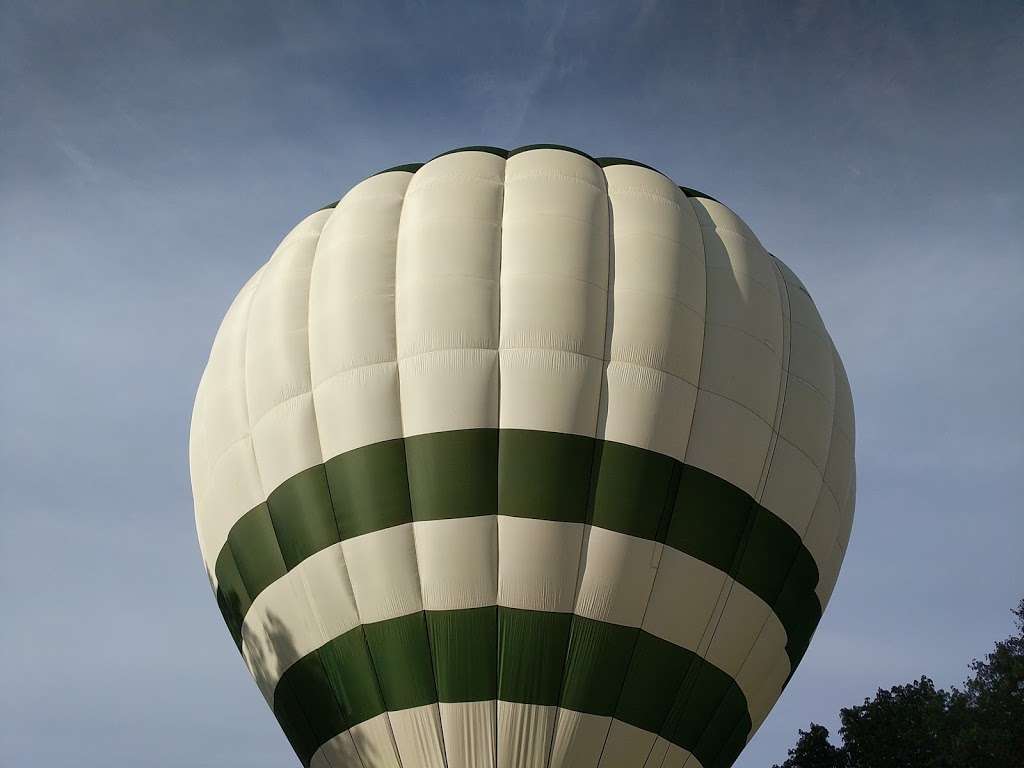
(153, 155)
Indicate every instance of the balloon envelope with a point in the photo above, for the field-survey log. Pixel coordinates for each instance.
(522, 459)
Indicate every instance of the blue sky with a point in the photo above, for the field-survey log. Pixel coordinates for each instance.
(154, 154)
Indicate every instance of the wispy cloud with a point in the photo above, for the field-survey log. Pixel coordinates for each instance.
(154, 154)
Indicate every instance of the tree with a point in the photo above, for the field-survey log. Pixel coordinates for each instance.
(920, 726)
(902, 727)
(813, 750)
(995, 698)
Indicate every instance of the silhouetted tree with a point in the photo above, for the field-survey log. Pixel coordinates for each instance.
(920, 726)
(906, 726)
(813, 750)
(993, 732)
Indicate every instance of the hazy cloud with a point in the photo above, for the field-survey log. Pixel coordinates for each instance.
(155, 153)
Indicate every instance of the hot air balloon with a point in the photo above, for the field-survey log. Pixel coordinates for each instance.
(522, 458)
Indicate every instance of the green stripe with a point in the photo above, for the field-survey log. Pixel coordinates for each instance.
(562, 147)
(607, 162)
(522, 473)
(603, 162)
(407, 168)
(550, 659)
(498, 151)
(689, 192)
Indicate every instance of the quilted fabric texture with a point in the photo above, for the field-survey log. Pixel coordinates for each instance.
(522, 459)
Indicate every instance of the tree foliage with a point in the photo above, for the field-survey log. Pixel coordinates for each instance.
(813, 750)
(920, 726)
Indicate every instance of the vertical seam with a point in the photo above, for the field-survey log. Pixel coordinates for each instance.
(259, 474)
(663, 525)
(409, 495)
(596, 449)
(687, 677)
(327, 485)
(497, 473)
(780, 404)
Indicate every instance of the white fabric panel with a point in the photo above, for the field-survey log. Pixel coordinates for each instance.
(626, 745)
(351, 303)
(740, 628)
(277, 373)
(233, 490)
(537, 564)
(418, 736)
(827, 582)
(807, 420)
(741, 368)
(617, 575)
(554, 280)
(743, 352)
(742, 357)
(524, 734)
(358, 408)
(767, 693)
(742, 281)
(808, 412)
(686, 594)
(767, 652)
(811, 359)
(549, 390)
(823, 529)
(339, 751)
(791, 279)
(447, 294)
(200, 472)
(450, 389)
(690, 598)
(793, 485)
(830, 574)
(846, 516)
(801, 307)
(469, 733)
(222, 388)
(844, 399)
(353, 355)
(658, 246)
(307, 607)
(834, 475)
(839, 466)
(579, 739)
(728, 440)
(382, 569)
(375, 743)
(277, 352)
(647, 408)
(737, 300)
(286, 441)
(656, 324)
(267, 636)
(713, 215)
(457, 560)
(741, 365)
(659, 753)
(225, 478)
(676, 757)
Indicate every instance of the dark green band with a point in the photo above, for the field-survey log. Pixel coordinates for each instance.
(522, 473)
(528, 657)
